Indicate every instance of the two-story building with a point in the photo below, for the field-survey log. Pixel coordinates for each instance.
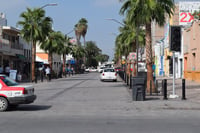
(14, 51)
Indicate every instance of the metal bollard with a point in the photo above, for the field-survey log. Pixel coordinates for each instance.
(164, 89)
(127, 79)
(157, 87)
(150, 87)
(183, 89)
(130, 83)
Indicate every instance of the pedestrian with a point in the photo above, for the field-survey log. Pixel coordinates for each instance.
(1, 69)
(7, 70)
(154, 72)
(48, 73)
(72, 70)
(68, 70)
(19, 77)
(42, 71)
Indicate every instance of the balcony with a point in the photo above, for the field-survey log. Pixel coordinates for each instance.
(7, 46)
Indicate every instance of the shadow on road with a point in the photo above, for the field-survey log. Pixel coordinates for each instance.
(31, 108)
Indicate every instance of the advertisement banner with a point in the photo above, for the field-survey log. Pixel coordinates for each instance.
(186, 9)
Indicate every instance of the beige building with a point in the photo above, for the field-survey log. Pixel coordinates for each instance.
(192, 51)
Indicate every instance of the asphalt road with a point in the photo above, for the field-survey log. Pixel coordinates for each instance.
(84, 104)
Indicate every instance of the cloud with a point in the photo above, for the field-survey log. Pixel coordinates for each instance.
(106, 3)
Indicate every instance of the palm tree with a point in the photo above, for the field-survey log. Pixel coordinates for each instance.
(78, 52)
(126, 40)
(81, 29)
(144, 12)
(35, 28)
(54, 43)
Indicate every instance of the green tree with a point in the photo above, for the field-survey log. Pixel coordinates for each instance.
(143, 12)
(91, 51)
(102, 57)
(35, 28)
(81, 29)
(78, 52)
(54, 43)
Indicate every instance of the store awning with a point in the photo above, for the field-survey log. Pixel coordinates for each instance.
(38, 59)
(22, 57)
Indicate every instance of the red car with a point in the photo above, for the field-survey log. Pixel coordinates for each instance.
(12, 93)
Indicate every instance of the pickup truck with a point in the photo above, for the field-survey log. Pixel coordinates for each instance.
(13, 93)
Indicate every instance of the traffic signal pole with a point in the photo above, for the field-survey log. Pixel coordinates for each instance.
(175, 46)
(173, 95)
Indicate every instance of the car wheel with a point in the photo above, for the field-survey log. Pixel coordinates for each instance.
(3, 104)
(115, 80)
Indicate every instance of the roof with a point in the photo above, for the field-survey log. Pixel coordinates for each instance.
(11, 29)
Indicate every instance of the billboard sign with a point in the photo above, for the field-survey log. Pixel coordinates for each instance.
(186, 9)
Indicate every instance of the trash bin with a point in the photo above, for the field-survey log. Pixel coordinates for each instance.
(138, 88)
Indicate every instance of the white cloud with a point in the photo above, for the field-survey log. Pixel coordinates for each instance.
(106, 3)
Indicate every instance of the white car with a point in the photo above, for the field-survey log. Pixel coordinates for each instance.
(101, 69)
(108, 74)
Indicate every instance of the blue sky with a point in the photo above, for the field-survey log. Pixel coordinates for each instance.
(67, 13)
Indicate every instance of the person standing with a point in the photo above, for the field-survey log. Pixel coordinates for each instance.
(1, 69)
(48, 73)
(154, 72)
(42, 73)
(7, 70)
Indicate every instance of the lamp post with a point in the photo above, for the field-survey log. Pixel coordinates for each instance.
(31, 73)
(112, 19)
(49, 4)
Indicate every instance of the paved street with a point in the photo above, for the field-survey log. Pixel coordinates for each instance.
(84, 104)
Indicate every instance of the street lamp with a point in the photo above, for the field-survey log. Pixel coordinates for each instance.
(112, 19)
(49, 4)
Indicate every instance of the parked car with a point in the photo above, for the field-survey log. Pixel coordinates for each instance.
(13, 93)
(117, 69)
(87, 70)
(100, 70)
(108, 74)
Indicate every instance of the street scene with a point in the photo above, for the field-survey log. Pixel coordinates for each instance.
(101, 66)
(83, 103)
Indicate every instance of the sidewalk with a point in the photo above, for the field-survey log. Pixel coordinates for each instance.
(154, 102)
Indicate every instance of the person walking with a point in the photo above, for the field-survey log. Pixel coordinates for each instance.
(48, 73)
(154, 72)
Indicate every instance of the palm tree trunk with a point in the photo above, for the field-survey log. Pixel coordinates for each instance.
(84, 57)
(149, 59)
(33, 61)
(64, 62)
(50, 58)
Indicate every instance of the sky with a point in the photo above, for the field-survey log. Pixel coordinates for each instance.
(68, 12)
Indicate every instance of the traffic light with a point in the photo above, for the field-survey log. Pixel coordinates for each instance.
(175, 38)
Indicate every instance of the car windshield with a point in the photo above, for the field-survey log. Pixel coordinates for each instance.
(8, 81)
(109, 70)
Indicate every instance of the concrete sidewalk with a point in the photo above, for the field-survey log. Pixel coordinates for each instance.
(154, 102)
